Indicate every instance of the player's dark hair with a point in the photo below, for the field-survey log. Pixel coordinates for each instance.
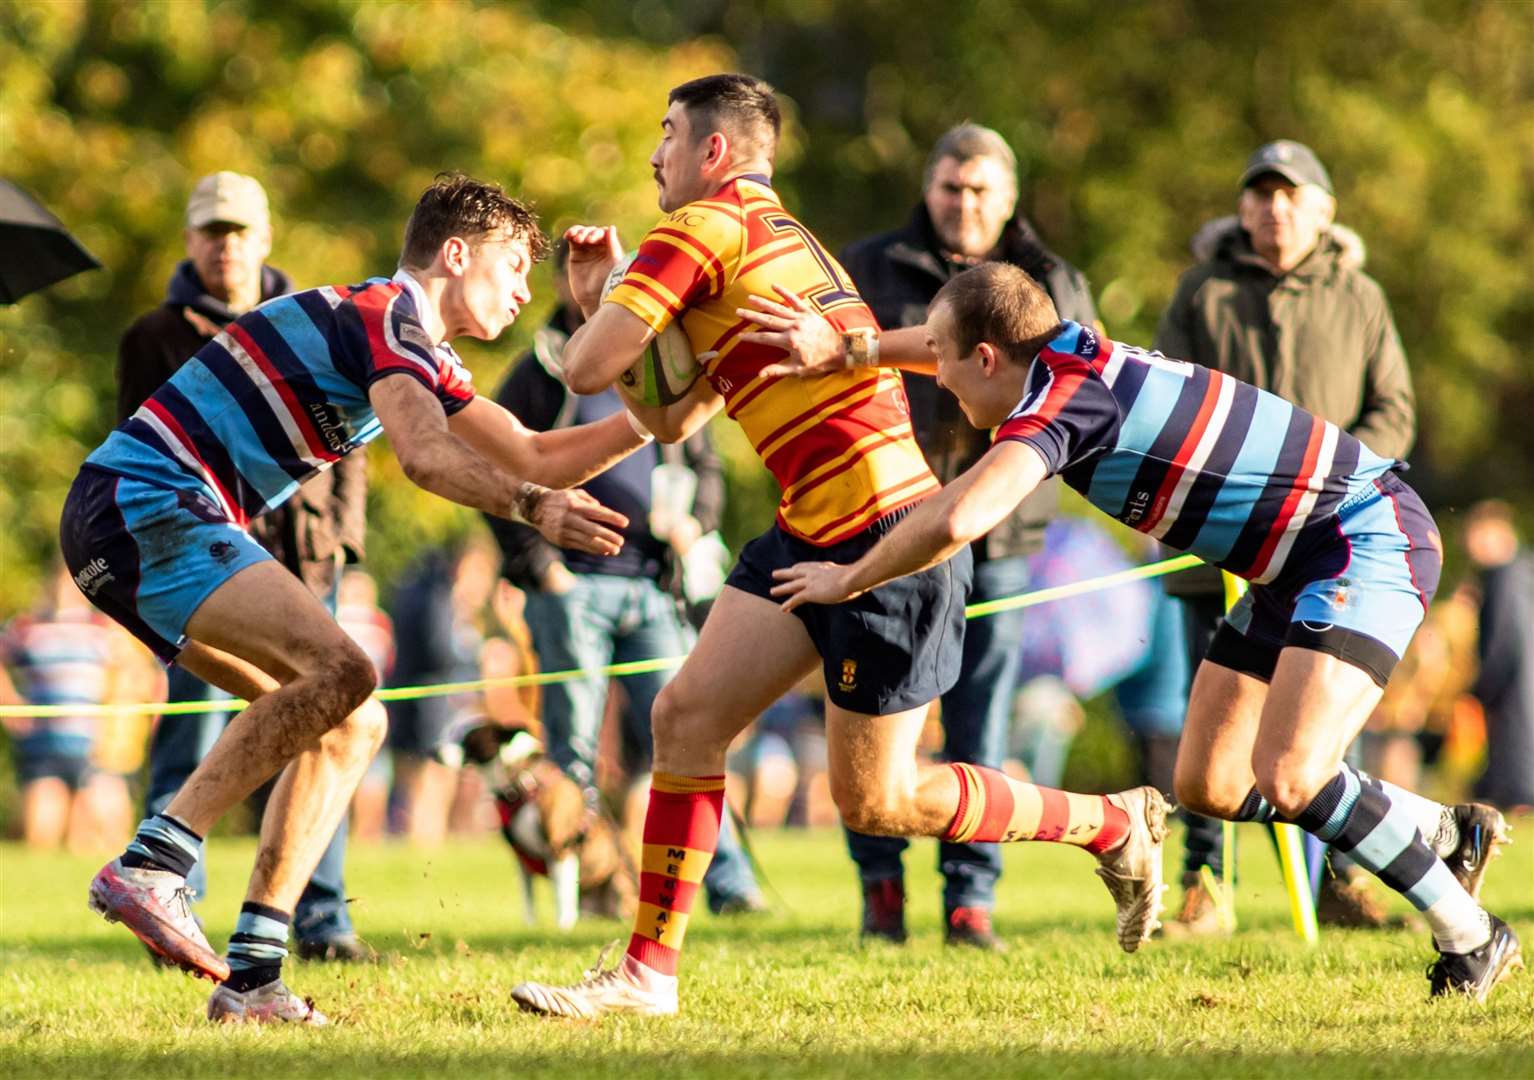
(459, 205)
(999, 303)
(738, 105)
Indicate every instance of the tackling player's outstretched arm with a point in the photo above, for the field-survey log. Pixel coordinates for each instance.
(561, 458)
(966, 509)
(438, 461)
(815, 347)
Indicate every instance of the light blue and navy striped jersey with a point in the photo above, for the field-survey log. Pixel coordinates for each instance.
(1203, 462)
(281, 393)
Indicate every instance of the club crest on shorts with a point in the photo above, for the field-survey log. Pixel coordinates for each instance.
(849, 681)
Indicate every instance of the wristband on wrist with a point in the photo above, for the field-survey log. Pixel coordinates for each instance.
(862, 348)
(639, 429)
(524, 504)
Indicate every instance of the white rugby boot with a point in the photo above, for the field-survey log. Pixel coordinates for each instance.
(599, 993)
(273, 1003)
(154, 904)
(1132, 871)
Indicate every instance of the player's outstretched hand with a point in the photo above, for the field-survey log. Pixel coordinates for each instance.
(570, 518)
(813, 345)
(813, 583)
(594, 249)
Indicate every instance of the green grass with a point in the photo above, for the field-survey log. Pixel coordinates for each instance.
(790, 994)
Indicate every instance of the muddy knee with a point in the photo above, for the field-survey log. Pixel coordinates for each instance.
(346, 680)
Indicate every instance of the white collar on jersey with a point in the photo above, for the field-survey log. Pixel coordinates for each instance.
(418, 296)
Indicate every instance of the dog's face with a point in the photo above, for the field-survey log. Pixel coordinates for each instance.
(500, 753)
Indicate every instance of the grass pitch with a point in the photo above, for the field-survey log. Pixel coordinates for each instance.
(787, 994)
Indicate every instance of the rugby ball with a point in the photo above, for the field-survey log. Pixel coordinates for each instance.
(667, 369)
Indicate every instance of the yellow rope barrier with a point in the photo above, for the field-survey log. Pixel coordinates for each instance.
(638, 667)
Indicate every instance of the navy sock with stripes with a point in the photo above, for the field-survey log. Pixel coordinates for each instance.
(257, 947)
(1256, 808)
(163, 843)
(1355, 814)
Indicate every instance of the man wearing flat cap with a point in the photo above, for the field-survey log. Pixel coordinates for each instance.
(1279, 299)
(228, 236)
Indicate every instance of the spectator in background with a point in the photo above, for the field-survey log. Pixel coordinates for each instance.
(228, 236)
(438, 614)
(967, 215)
(122, 742)
(1505, 686)
(1153, 700)
(1279, 299)
(587, 611)
(67, 653)
(367, 624)
(782, 763)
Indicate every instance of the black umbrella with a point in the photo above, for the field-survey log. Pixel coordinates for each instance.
(35, 248)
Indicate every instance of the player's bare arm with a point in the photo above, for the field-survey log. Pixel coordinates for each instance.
(675, 422)
(612, 338)
(558, 459)
(815, 347)
(439, 461)
(604, 347)
(968, 508)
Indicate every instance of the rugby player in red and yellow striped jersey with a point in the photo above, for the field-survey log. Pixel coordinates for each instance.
(842, 449)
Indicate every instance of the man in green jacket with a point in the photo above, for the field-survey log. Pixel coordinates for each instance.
(1279, 299)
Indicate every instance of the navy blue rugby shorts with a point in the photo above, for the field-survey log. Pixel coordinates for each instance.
(894, 648)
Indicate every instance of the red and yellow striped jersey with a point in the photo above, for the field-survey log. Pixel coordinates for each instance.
(840, 446)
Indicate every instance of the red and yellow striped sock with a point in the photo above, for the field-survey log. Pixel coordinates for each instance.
(994, 807)
(681, 829)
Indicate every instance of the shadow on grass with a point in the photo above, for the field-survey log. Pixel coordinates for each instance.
(313, 1059)
(433, 937)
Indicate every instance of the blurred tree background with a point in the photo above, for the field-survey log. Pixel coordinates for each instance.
(1132, 122)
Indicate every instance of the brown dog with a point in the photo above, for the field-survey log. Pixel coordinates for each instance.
(551, 828)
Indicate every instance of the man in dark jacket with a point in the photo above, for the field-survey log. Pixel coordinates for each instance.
(1505, 685)
(228, 237)
(587, 611)
(1279, 299)
(967, 216)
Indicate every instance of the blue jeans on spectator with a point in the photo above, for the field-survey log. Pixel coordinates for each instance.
(179, 744)
(604, 619)
(977, 713)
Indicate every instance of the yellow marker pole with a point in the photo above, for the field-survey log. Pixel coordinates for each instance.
(1235, 588)
(1291, 840)
(1291, 856)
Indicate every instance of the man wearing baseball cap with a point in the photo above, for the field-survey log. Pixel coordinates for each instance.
(1294, 162)
(228, 236)
(1279, 299)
